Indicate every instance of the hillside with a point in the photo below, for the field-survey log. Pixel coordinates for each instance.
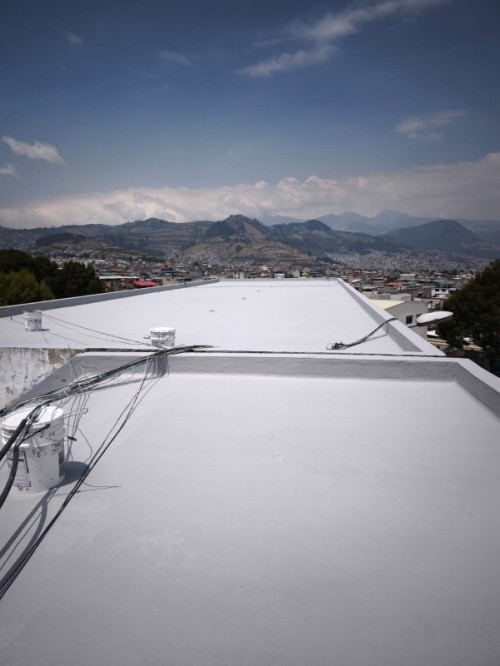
(319, 239)
(235, 238)
(386, 220)
(444, 236)
(241, 239)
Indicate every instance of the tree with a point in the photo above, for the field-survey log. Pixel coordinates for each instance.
(20, 287)
(45, 292)
(75, 279)
(25, 279)
(476, 313)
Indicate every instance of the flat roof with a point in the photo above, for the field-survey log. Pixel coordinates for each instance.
(258, 509)
(261, 500)
(265, 315)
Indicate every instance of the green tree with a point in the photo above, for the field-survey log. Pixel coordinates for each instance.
(476, 313)
(4, 283)
(15, 260)
(21, 287)
(45, 292)
(43, 267)
(24, 278)
(74, 279)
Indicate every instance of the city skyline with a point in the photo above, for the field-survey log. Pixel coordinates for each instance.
(118, 111)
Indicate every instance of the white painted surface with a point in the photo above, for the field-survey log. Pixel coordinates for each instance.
(263, 509)
(262, 519)
(275, 315)
(21, 368)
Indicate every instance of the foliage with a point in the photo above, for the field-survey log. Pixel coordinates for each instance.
(27, 279)
(476, 313)
(22, 287)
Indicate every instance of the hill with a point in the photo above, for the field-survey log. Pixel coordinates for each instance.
(317, 238)
(239, 238)
(444, 236)
(386, 220)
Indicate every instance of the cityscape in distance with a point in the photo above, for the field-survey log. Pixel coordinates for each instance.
(396, 242)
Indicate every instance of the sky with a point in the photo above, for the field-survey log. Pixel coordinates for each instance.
(113, 111)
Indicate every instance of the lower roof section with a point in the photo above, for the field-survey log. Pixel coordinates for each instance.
(261, 509)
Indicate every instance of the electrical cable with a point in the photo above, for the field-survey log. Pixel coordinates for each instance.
(81, 386)
(12, 473)
(25, 424)
(342, 345)
(126, 414)
(75, 330)
(6, 447)
(78, 387)
(93, 330)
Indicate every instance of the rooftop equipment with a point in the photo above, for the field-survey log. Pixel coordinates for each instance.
(32, 321)
(162, 336)
(433, 318)
(41, 455)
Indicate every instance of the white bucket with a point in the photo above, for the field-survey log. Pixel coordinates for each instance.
(41, 456)
(162, 336)
(32, 321)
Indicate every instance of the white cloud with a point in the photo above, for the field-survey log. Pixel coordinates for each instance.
(343, 24)
(176, 58)
(75, 39)
(289, 61)
(319, 37)
(463, 190)
(417, 127)
(8, 170)
(35, 151)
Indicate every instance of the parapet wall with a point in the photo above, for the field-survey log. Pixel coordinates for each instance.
(21, 369)
(11, 310)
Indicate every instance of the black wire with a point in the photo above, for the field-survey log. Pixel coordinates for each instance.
(342, 345)
(24, 427)
(12, 474)
(93, 330)
(130, 407)
(93, 462)
(12, 438)
(84, 385)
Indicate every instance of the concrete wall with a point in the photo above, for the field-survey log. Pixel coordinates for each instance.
(21, 369)
(404, 309)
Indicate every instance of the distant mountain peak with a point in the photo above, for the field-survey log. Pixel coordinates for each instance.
(316, 225)
(391, 213)
(238, 218)
(444, 236)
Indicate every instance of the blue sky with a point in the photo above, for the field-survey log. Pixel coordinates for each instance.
(111, 111)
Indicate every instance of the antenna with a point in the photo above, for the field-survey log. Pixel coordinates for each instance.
(432, 318)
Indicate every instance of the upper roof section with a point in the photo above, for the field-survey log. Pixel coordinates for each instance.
(251, 315)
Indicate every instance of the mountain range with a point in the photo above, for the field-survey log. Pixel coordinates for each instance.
(390, 220)
(241, 238)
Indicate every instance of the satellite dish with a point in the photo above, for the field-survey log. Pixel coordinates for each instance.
(434, 317)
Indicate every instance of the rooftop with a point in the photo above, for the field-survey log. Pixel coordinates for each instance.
(256, 508)
(271, 315)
